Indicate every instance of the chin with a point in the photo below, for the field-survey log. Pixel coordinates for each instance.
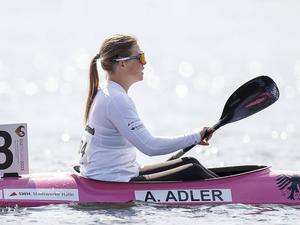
(138, 79)
(141, 77)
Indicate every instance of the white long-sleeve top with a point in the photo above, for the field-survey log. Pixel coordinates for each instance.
(110, 153)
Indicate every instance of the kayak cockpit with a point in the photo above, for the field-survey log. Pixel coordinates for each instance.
(237, 170)
(222, 172)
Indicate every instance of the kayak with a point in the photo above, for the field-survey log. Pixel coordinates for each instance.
(248, 184)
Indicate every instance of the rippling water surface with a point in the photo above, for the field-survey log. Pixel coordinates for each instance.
(198, 53)
(150, 214)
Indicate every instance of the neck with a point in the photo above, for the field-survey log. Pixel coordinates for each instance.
(125, 84)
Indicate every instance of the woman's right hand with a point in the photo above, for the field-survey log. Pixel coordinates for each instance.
(206, 134)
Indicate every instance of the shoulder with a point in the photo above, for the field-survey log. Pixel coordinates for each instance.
(120, 107)
(111, 94)
(121, 99)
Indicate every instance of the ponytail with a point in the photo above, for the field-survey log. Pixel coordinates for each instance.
(93, 86)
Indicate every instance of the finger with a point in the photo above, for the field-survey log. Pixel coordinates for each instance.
(202, 142)
(209, 137)
(204, 132)
(208, 134)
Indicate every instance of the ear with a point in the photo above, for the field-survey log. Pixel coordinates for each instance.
(120, 65)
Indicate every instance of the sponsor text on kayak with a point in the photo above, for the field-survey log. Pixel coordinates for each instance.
(55, 194)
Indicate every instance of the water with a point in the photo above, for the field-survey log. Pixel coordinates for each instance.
(198, 53)
(150, 214)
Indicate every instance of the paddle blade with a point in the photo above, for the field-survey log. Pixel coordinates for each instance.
(250, 98)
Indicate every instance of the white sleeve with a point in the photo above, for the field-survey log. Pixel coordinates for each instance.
(123, 115)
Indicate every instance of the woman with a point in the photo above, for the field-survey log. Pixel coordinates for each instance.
(114, 129)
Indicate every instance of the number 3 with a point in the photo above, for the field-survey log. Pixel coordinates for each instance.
(4, 149)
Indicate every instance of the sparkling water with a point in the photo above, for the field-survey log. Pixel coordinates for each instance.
(198, 53)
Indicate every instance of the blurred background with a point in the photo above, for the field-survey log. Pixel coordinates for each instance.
(198, 53)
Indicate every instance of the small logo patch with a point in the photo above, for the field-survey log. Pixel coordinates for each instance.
(13, 194)
(135, 125)
(20, 131)
(259, 99)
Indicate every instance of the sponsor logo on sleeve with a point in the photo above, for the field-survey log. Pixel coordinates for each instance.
(41, 194)
(135, 125)
(180, 196)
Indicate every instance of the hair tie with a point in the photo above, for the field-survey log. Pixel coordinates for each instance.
(97, 56)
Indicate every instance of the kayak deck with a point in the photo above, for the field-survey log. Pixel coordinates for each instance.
(236, 170)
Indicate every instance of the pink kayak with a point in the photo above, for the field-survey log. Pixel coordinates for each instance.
(239, 184)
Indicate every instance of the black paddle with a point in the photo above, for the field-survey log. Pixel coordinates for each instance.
(252, 97)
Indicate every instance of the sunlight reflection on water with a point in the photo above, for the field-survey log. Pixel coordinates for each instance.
(198, 53)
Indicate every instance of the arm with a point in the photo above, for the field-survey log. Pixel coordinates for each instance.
(124, 116)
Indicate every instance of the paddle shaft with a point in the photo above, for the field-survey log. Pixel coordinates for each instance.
(207, 134)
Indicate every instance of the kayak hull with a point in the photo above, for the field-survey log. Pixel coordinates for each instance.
(261, 186)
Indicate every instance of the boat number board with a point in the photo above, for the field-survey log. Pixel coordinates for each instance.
(184, 195)
(13, 149)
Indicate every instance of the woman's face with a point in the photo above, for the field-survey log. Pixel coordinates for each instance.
(135, 67)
